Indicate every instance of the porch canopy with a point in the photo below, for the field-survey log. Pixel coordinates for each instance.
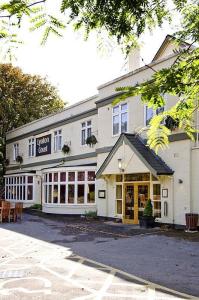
(134, 156)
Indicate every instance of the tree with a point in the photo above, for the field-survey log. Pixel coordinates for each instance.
(23, 98)
(126, 20)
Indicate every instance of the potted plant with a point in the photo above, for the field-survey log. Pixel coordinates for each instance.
(65, 149)
(19, 159)
(91, 140)
(147, 220)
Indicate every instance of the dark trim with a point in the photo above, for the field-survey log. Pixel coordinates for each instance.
(54, 161)
(104, 149)
(63, 166)
(43, 129)
(23, 172)
(178, 137)
(107, 100)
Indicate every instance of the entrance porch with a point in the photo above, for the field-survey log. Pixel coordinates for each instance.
(133, 174)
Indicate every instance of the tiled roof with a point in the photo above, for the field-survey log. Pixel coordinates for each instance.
(149, 155)
(154, 163)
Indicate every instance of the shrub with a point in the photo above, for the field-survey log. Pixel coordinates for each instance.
(148, 211)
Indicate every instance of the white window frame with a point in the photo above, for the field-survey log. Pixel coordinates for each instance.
(15, 151)
(58, 140)
(31, 147)
(86, 127)
(154, 113)
(17, 182)
(85, 182)
(119, 114)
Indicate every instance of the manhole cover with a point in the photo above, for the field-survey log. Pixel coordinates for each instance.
(13, 274)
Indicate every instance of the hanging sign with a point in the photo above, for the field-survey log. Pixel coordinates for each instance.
(43, 145)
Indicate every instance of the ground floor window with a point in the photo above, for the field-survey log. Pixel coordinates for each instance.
(19, 187)
(156, 201)
(69, 187)
(119, 199)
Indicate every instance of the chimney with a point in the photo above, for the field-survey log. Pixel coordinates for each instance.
(134, 59)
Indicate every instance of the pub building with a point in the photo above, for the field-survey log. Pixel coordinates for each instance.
(117, 172)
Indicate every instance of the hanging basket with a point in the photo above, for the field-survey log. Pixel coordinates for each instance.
(7, 162)
(171, 124)
(91, 140)
(65, 149)
(19, 159)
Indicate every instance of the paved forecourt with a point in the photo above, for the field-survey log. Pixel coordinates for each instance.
(34, 269)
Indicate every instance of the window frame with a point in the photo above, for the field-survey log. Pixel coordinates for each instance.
(31, 147)
(155, 113)
(16, 187)
(66, 182)
(119, 114)
(15, 151)
(57, 135)
(86, 130)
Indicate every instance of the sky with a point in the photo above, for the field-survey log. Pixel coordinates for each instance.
(77, 67)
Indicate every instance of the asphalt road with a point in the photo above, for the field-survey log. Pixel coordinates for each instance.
(45, 259)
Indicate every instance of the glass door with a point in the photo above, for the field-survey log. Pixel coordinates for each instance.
(143, 196)
(135, 197)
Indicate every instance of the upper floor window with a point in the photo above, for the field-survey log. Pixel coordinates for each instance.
(31, 147)
(57, 140)
(15, 151)
(85, 131)
(120, 118)
(150, 113)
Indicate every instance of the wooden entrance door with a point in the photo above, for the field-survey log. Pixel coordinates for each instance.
(135, 197)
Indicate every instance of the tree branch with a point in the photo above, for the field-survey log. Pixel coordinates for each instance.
(28, 6)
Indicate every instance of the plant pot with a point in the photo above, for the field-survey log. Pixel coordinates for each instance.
(147, 222)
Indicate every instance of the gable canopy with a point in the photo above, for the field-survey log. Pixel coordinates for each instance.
(145, 158)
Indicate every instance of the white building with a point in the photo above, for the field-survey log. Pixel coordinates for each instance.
(124, 166)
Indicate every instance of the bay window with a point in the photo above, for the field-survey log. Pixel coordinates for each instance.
(69, 187)
(19, 187)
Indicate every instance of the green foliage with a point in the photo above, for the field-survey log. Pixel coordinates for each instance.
(36, 206)
(23, 98)
(122, 19)
(91, 140)
(125, 20)
(91, 214)
(148, 210)
(65, 149)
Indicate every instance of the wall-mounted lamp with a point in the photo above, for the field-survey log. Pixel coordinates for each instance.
(120, 165)
(180, 181)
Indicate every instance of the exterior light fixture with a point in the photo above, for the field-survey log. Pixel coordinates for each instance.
(120, 165)
(180, 181)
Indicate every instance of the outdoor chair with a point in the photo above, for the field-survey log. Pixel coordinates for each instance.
(18, 210)
(5, 211)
